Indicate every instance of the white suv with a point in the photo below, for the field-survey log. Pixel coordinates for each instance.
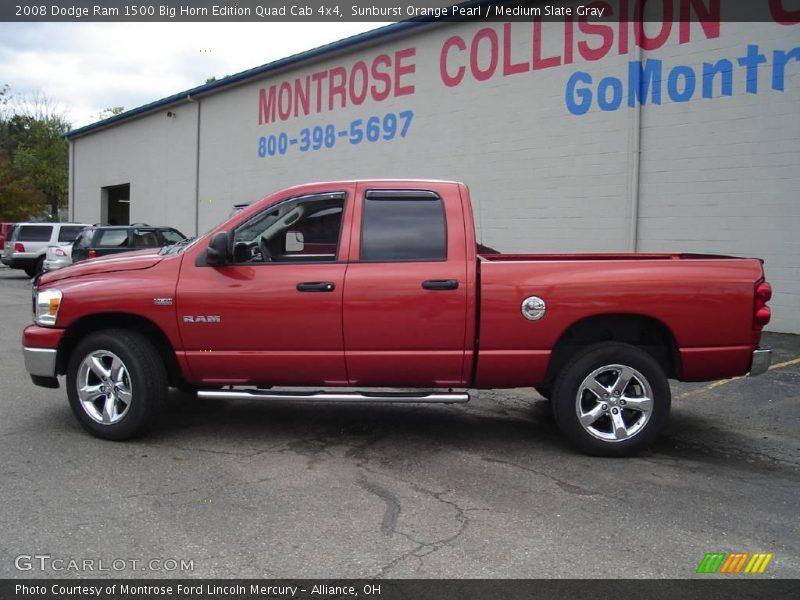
(29, 241)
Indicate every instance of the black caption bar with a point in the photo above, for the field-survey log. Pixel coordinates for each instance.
(393, 589)
(785, 12)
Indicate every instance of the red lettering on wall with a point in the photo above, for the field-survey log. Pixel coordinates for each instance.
(382, 76)
(781, 15)
(448, 79)
(604, 32)
(301, 95)
(285, 101)
(707, 16)
(510, 68)
(400, 70)
(266, 105)
(337, 87)
(357, 96)
(487, 33)
(640, 16)
(318, 78)
(538, 61)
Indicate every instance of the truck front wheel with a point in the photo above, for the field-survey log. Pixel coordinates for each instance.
(116, 383)
(611, 399)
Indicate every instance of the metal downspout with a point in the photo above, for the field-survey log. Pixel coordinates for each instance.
(635, 166)
(196, 170)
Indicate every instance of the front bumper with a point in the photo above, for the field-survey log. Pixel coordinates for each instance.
(40, 350)
(40, 362)
(761, 361)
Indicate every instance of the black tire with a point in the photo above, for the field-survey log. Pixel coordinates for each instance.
(628, 430)
(36, 268)
(545, 392)
(142, 381)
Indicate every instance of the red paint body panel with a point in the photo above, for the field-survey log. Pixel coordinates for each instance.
(130, 290)
(269, 332)
(379, 327)
(395, 332)
(41, 337)
(703, 302)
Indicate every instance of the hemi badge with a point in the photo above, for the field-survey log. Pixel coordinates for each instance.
(162, 301)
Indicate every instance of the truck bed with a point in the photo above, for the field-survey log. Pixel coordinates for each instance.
(498, 257)
(705, 301)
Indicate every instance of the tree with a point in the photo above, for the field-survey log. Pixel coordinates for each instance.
(109, 112)
(34, 157)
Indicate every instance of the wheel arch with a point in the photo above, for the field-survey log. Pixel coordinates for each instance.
(647, 333)
(87, 325)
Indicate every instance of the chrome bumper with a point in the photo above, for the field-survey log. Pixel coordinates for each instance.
(761, 361)
(40, 362)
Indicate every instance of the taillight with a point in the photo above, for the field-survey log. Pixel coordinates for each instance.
(92, 253)
(19, 247)
(761, 312)
(60, 252)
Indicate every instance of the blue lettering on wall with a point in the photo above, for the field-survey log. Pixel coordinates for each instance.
(643, 80)
(579, 100)
(779, 60)
(674, 84)
(723, 67)
(646, 80)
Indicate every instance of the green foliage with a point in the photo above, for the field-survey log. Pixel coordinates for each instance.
(109, 112)
(34, 159)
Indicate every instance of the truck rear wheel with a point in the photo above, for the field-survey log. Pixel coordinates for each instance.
(116, 384)
(611, 399)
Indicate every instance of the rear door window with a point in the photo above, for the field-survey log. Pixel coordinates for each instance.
(84, 239)
(404, 227)
(35, 233)
(68, 233)
(113, 238)
(145, 238)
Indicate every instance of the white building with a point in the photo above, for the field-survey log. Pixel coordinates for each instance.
(573, 136)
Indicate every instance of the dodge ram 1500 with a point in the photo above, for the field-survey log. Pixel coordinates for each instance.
(380, 284)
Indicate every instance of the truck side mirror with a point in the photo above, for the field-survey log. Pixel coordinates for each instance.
(217, 253)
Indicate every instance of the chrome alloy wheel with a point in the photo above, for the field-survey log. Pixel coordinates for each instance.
(614, 403)
(104, 387)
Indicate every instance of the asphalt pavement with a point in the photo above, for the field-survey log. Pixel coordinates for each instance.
(486, 489)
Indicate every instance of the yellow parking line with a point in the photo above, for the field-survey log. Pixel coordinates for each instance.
(788, 363)
(716, 384)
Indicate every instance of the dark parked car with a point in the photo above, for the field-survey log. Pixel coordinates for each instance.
(100, 240)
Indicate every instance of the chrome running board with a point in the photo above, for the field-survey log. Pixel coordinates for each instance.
(432, 397)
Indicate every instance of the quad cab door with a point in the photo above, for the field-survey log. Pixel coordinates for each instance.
(405, 297)
(273, 316)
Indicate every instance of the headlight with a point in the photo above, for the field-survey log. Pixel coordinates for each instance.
(47, 304)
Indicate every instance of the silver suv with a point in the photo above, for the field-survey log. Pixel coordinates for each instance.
(29, 241)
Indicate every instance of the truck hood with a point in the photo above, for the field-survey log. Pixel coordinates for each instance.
(128, 261)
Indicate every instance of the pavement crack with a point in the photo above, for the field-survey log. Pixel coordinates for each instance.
(392, 511)
(207, 450)
(570, 488)
(421, 549)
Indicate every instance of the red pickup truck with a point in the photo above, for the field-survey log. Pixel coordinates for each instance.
(380, 284)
